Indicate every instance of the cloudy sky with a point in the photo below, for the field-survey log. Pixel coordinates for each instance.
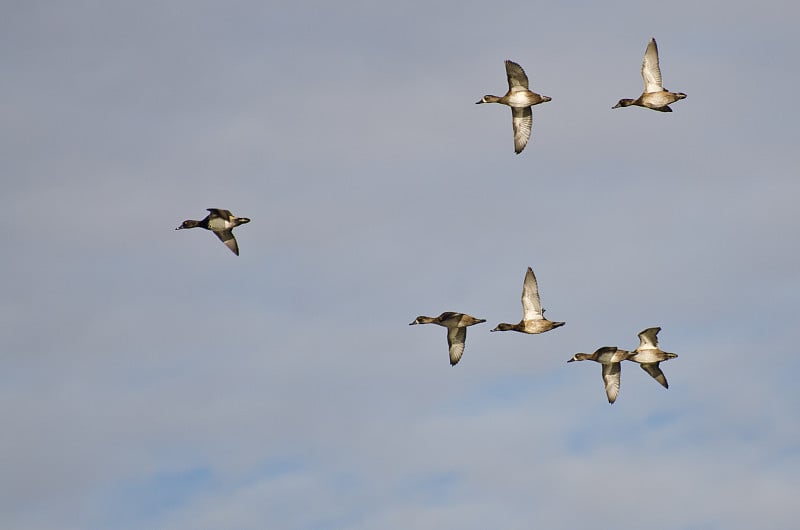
(152, 379)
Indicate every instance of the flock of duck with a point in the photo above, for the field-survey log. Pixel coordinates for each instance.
(648, 355)
(520, 98)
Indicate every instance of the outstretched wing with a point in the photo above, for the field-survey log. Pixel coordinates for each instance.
(651, 73)
(456, 337)
(517, 80)
(648, 339)
(522, 119)
(226, 236)
(531, 306)
(611, 376)
(224, 214)
(655, 372)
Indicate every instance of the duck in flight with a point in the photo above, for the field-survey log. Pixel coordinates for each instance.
(655, 96)
(611, 358)
(456, 324)
(222, 223)
(649, 355)
(520, 99)
(533, 320)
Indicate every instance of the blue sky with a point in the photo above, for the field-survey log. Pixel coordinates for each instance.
(151, 379)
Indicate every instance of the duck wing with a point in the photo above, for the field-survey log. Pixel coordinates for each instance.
(517, 80)
(226, 236)
(448, 317)
(224, 214)
(531, 306)
(655, 372)
(648, 339)
(456, 337)
(522, 119)
(651, 73)
(611, 376)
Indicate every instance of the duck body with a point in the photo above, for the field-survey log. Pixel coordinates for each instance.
(649, 355)
(533, 320)
(610, 357)
(456, 324)
(654, 96)
(520, 99)
(531, 327)
(659, 101)
(221, 223)
(449, 319)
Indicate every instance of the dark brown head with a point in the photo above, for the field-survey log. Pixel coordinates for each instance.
(623, 103)
(488, 98)
(189, 223)
(504, 327)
